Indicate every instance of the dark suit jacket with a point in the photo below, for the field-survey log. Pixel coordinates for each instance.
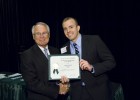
(96, 53)
(34, 68)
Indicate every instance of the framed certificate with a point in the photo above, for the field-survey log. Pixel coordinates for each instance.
(64, 65)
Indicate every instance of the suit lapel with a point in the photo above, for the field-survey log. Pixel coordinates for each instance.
(84, 43)
(40, 54)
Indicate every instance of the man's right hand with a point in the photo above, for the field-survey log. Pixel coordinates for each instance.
(64, 79)
(63, 88)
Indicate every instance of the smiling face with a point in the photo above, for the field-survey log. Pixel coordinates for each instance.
(41, 35)
(71, 29)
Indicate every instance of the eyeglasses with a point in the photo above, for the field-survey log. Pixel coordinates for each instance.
(43, 34)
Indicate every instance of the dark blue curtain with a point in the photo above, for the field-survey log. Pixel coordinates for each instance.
(116, 21)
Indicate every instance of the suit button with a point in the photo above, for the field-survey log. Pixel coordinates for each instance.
(83, 84)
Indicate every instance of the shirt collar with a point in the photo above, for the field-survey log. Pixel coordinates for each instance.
(43, 48)
(78, 42)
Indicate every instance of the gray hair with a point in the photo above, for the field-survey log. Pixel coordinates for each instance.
(40, 23)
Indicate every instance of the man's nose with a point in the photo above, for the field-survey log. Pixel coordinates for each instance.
(68, 30)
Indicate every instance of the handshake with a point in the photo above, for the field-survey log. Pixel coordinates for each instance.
(64, 85)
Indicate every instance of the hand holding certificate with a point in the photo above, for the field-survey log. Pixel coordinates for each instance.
(64, 65)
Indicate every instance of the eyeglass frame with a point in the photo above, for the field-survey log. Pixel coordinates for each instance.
(39, 34)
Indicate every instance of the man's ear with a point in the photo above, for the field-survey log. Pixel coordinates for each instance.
(78, 28)
(33, 36)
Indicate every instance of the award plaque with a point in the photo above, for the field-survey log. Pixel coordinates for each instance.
(64, 65)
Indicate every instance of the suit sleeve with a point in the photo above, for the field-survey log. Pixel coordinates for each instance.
(106, 60)
(33, 81)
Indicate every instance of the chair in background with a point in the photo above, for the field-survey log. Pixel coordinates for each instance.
(117, 91)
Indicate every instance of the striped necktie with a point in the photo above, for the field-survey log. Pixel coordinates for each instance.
(76, 49)
(46, 53)
(77, 52)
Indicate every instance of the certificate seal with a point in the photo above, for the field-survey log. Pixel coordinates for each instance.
(55, 68)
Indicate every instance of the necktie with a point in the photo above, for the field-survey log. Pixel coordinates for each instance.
(77, 52)
(76, 49)
(46, 53)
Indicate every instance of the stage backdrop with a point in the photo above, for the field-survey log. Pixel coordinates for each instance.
(116, 21)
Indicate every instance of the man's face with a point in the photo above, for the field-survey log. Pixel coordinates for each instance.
(41, 35)
(71, 29)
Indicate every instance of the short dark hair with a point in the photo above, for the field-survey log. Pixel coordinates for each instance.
(67, 18)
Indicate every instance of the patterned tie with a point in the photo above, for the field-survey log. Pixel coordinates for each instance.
(46, 53)
(77, 52)
(76, 49)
